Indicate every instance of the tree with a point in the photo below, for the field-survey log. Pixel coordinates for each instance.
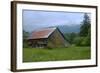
(25, 36)
(85, 26)
(78, 41)
(85, 31)
(70, 37)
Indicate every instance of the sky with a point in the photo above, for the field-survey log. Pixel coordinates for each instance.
(33, 19)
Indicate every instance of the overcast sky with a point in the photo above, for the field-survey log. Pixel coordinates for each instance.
(38, 19)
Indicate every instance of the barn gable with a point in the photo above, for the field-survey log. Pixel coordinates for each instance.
(57, 40)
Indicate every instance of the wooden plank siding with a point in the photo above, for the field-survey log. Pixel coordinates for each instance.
(56, 40)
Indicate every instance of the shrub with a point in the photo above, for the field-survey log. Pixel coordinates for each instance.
(82, 41)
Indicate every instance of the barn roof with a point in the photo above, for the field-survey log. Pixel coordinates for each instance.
(41, 33)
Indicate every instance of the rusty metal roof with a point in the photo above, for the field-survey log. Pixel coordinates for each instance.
(41, 33)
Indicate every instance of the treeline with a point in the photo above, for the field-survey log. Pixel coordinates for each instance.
(83, 38)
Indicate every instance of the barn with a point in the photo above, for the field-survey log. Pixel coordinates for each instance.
(47, 38)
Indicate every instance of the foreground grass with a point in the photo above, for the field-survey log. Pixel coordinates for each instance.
(71, 53)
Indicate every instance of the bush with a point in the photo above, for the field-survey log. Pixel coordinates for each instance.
(82, 41)
(86, 41)
(78, 41)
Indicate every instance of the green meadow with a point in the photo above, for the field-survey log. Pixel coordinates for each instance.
(56, 54)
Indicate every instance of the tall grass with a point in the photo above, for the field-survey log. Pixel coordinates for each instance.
(55, 54)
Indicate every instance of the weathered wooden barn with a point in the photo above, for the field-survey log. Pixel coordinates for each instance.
(47, 38)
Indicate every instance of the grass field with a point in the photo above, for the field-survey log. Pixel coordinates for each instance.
(71, 53)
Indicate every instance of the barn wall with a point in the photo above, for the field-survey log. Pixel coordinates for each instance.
(56, 40)
(38, 43)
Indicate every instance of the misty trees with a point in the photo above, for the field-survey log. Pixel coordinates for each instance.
(70, 37)
(82, 38)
